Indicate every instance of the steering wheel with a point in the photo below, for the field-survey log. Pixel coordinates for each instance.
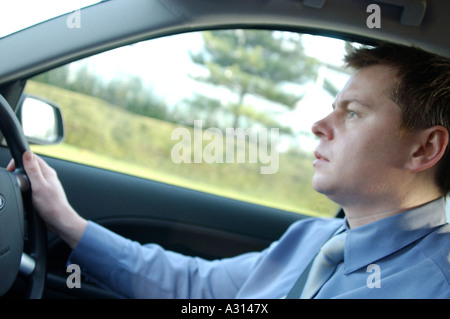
(23, 236)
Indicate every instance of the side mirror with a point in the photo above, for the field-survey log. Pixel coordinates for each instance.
(41, 120)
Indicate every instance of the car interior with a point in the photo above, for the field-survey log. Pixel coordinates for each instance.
(186, 220)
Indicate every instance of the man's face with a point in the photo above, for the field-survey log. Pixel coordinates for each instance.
(361, 154)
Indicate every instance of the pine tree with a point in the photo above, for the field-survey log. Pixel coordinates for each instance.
(255, 62)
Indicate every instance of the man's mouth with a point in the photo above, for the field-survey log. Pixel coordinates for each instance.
(319, 158)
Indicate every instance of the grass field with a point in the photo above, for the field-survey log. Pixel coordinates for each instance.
(105, 136)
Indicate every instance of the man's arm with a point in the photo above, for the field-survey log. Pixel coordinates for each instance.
(50, 200)
(125, 266)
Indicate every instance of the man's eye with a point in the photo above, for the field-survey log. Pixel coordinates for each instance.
(352, 114)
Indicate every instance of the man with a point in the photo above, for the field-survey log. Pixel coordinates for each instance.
(383, 156)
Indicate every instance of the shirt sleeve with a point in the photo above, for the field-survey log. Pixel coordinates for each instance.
(132, 270)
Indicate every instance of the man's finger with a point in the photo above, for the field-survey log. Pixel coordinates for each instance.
(46, 170)
(31, 166)
(11, 166)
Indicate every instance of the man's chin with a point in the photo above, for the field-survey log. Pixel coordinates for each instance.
(322, 187)
(319, 185)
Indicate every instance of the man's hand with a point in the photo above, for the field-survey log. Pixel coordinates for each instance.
(50, 200)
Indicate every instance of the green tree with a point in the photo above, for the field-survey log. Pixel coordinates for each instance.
(130, 93)
(125, 91)
(85, 81)
(254, 62)
(58, 77)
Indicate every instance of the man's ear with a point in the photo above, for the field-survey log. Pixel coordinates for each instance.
(429, 148)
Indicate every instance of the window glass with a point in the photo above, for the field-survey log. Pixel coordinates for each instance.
(227, 112)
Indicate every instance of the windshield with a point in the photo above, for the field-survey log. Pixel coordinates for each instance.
(20, 14)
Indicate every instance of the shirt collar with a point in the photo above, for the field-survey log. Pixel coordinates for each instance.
(371, 242)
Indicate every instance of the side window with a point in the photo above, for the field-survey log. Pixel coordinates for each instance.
(227, 112)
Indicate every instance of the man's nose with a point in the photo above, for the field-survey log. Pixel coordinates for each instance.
(323, 129)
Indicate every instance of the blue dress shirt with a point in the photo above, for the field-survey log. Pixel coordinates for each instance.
(403, 256)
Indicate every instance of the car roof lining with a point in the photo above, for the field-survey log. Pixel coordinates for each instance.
(111, 24)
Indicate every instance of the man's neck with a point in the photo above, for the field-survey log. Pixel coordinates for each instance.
(359, 215)
(356, 220)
